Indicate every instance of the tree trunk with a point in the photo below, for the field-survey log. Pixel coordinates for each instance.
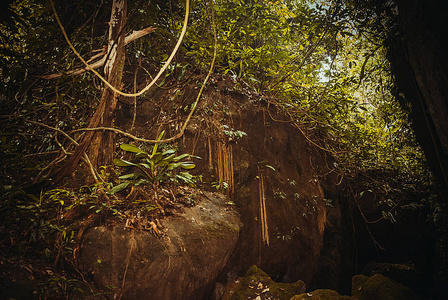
(101, 148)
(100, 145)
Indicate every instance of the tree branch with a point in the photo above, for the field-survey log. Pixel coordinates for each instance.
(136, 34)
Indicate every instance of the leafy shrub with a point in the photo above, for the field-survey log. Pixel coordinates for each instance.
(155, 168)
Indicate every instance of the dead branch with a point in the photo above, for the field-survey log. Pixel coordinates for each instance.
(136, 34)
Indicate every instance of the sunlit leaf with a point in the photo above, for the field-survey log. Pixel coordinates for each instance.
(130, 148)
(122, 163)
(187, 165)
(170, 151)
(177, 158)
(270, 167)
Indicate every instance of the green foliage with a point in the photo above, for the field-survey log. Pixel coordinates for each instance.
(62, 287)
(101, 207)
(259, 41)
(31, 46)
(323, 62)
(330, 77)
(155, 168)
(233, 134)
(220, 185)
(40, 220)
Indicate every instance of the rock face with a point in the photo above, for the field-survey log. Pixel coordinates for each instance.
(276, 179)
(279, 183)
(282, 207)
(182, 265)
(419, 63)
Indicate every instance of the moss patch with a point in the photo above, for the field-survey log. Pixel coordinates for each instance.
(258, 283)
(381, 287)
(322, 295)
(357, 283)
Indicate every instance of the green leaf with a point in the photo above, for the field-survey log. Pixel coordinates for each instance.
(156, 146)
(187, 165)
(141, 182)
(142, 155)
(173, 166)
(169, 158)
(130, 176)
(187, 178)
(122, 163)
(154, 149)
(162, 163)
(270, 167)
(180, 157)
(157, 157)
(170, 151)
(160, 135)
(131, 148)
(119, 187)
(147, 166)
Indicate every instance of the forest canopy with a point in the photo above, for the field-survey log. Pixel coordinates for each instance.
(324, 63)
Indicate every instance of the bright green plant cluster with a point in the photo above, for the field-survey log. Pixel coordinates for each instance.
(155, 168)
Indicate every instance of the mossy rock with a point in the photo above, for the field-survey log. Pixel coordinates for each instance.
(379, 287)
(258, 283)
(357, 283)
(322, 295)
(256, 272)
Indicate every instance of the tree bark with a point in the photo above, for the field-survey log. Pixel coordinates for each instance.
(100, 145)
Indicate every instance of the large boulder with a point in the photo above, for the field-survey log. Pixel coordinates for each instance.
(276, 179)
(183, 263)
